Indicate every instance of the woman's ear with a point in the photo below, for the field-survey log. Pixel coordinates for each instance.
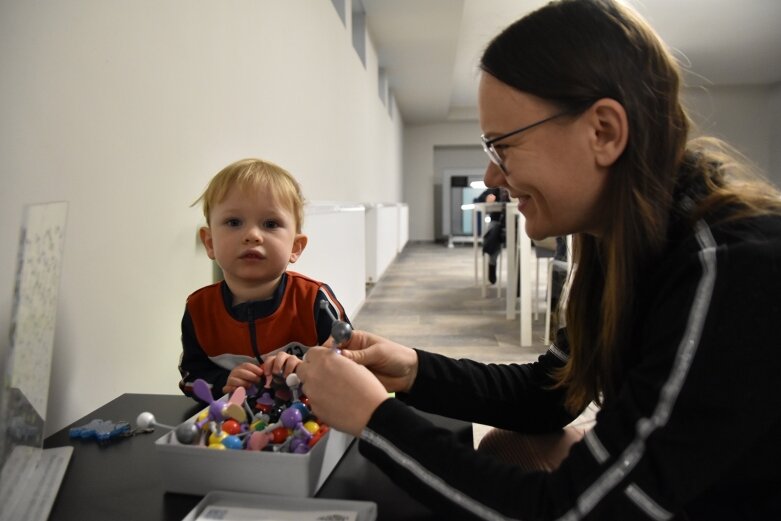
(299, 243)
(610, 131)
(206, 238)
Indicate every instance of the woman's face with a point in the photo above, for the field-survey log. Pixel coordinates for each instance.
(551, 168)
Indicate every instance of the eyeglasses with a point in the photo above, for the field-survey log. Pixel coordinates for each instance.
(488, 144)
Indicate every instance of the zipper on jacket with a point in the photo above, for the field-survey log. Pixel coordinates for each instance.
(253, 337)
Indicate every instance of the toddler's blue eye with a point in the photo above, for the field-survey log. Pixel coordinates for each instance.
(233, 223)
(271, 224)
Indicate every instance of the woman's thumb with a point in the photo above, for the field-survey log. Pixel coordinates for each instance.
(359, 357)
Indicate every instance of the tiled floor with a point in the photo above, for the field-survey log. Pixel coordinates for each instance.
(427, 299)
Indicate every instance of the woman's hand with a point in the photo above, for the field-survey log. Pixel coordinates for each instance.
(395, 365)
(341, 393)
(243, 375)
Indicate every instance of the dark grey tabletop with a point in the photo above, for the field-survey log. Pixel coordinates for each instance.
(118, 480)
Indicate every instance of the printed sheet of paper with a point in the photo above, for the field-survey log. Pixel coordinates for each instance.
(226, 513)
(30, 481)
(31, 476)
(35, 301)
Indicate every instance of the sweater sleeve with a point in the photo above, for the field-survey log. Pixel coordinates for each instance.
(195, 364)
(518, 397)
(689, 435)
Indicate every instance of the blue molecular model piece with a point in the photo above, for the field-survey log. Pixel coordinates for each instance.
(100, 430)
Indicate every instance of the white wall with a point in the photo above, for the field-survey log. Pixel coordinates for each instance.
(335, 251)
(420, 177)
(382, 238)
(739, 115)
(775, 134)
(126, 110)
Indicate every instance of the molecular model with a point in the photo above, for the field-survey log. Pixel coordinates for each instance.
(100, 430)
(274, 418)
(341, 331)
(277, 420)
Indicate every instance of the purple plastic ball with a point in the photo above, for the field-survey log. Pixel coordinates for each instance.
(299, 446)
(290, 417)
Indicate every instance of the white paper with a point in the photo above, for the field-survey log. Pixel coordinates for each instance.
(227, 513)
(30, 481)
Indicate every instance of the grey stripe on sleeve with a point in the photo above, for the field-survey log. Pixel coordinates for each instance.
(646, 504)
(598, 450)
(429, 478)
(558, 353)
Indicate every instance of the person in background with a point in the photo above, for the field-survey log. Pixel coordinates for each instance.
(669, 319)
(494, 236)
(254, 212)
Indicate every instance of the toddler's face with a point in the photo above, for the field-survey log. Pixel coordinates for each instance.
(252, 238)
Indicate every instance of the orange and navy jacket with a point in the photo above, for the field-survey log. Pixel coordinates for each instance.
(216, 336)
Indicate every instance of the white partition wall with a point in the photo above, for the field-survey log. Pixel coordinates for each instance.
(335, 251)
(382, 242)
(403, 232)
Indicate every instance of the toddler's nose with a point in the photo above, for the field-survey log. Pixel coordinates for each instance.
(253, 236)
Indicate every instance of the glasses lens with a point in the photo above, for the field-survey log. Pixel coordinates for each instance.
(495, 155)
(490, 151)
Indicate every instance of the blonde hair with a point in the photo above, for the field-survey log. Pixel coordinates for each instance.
(251, 174)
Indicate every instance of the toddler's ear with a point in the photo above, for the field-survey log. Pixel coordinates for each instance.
(206, 238)
(299, 243)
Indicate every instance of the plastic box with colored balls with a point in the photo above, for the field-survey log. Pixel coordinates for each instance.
(193, 469)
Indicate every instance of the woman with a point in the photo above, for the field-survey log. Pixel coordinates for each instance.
(670, 316)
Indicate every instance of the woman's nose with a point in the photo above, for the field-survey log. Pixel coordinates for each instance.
(493, 176)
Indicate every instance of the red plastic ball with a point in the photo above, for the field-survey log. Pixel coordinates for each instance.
(231, 426)
(279, 435)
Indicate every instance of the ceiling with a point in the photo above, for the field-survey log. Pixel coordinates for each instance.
(430, 48)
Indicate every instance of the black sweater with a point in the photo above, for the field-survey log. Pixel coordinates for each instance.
(694, 432)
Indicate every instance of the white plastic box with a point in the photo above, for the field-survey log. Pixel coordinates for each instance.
(189, 469)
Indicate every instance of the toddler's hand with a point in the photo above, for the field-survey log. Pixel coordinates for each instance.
(281, 364)
(243, 375)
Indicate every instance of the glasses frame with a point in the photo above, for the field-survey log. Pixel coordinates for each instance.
(488, 144)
